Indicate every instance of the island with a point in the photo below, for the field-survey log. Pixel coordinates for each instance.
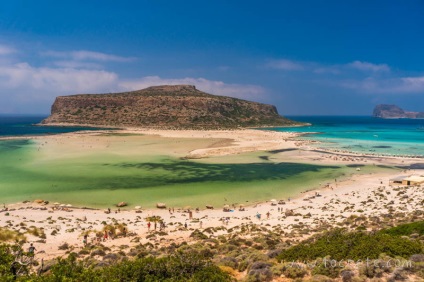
(166, 107)
(393, 111)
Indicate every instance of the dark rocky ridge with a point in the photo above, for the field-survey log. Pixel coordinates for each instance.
(393, 111)
(168, 106)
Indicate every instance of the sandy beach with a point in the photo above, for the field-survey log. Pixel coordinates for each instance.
(354, 198)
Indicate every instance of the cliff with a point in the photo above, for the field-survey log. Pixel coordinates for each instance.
(168, 106)
(393, 111)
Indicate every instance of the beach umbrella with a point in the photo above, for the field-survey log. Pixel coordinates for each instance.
(69, 205)
(137, 207)
(56, 204)
(226, 206)
(62, 205)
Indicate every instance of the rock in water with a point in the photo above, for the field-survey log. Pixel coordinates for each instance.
(168, 106)
(122, 204)
(393, 111)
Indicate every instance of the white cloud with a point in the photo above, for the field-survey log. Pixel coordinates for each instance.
(284, 64)
(242, 91)
(319, 68)
(84, 55)
(6, 50)
(366, 66)
(394, 85)
(26, 88)
(27, 83)
(77, 65)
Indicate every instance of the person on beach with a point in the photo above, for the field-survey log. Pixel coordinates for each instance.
(31, 249)
(185, 225)
(110, 234)
(200, 224)
(267, 215)
(105, 236)
(84, 241)
(155, 225)
(148, 226)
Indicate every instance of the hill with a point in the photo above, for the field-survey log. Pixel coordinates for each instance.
(167, 106)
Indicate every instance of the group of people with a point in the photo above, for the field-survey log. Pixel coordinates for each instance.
(162, 225)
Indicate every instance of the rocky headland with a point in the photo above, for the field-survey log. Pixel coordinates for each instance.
(393, 111)
(167, 106)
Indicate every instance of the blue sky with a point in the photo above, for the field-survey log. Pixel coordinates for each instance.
(305, 57)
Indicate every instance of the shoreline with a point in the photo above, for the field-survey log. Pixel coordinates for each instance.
(335, 200)
(328, 205)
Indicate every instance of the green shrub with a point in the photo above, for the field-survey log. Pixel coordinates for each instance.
(293, 270)
(342, 245)
(183, 266)
(405, 229)
(326, 268)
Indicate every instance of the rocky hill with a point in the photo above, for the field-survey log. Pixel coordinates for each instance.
(393, 111)
(168, 106)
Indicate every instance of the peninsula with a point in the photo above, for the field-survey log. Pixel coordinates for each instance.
(167, 106)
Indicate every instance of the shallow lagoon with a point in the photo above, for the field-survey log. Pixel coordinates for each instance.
(142, 170)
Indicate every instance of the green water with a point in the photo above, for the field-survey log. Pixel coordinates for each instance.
(101, 178)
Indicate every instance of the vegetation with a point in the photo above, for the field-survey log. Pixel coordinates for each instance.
(406, 229)
(342, 245)
(180, 106)
(249, 251)
(10, 235)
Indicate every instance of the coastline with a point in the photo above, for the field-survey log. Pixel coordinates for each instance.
(330, 204)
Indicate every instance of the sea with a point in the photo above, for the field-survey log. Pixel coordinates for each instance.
(139, 171)
(363, 134)
(27, 126)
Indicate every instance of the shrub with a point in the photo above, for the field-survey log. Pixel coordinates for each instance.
(342, 245)
(293, 270)
(406, 229)
(375, 269)
(260, 271)
(324, 267)
(10, 235)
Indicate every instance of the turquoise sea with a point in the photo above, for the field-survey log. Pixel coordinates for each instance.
(26, 125)
(144, 170)
(364, 134)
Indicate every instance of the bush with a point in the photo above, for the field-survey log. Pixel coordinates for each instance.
(260, 271)
(324, 267)
(293, 270)
(375, 269)
(406, 229)
(183, 266)
(342, 245)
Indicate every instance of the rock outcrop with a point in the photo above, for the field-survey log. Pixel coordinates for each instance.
(393, 111)
(168, 106)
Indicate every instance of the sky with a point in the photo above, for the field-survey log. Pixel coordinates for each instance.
(305, 57)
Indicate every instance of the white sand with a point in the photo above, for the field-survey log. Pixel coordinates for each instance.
(367, 195)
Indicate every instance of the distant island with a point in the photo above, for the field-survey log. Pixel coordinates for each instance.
(166, 106)
(393, 111)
